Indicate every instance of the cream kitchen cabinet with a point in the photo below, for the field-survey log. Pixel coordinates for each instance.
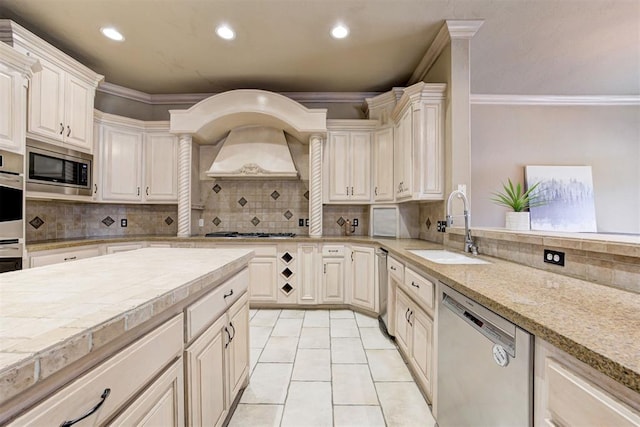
(218, 366)
(333, 274)
(137, 160)
(414, 335)
(347, 161)
(383, 166)
(15, 71)
(125, 382)
(56, 256)
(308, 277)
(569, 393)
(363, 281)
(123, 247)
(419, 143)
(60, 96)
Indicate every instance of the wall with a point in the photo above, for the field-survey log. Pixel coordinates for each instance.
(505, 138)
(332, 215)
(67, 220)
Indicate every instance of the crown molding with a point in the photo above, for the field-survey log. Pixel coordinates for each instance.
(351, 124)
(451, 29)
(484, 99)
(15, 60)
(113, 119)
(192, 98)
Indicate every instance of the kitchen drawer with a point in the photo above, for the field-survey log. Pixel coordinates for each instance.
(114, 249)
(210, 307)
(574, 401)
(125, 374)
(38, 259)
(395, 269)
(333, 250)
(420, 286)
(258, 250)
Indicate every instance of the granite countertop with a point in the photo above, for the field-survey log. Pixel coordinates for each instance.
(52, 316)
(598, 325)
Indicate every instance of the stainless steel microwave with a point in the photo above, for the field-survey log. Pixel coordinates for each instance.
(53, 169)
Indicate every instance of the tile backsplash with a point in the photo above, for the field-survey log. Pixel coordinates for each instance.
(332, 215)
(47, 220)
(274, 206)
(430, 214)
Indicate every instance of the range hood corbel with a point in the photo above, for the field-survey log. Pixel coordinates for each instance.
(254, 152)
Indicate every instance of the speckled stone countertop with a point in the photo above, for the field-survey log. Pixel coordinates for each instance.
(596, 324)
(52, 316)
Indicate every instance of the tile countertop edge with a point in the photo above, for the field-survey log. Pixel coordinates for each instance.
(628, 376)
(131, 318)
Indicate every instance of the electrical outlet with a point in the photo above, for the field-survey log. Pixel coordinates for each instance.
(200, 222)
(554, 257)
(306, 222)
(300, 222)
(441, 226)
(123, 222)
(355, 222)
(463, 188)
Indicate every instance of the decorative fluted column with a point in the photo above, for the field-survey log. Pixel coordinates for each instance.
(315, 186)
(184, 186)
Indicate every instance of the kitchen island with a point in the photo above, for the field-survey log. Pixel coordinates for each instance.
(63, 320)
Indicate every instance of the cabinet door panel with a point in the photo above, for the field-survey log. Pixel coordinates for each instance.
(239, 347)
(360, 166)
(333, 280)
(78, 119)
(121, 161)
(206, 379)
(46, 101)
(161, 167)
(422, 344)
(402, 325)
(383, 166)
(339, 167)
(363, 280)
(262, 279)
(307, 277)
(7, 113)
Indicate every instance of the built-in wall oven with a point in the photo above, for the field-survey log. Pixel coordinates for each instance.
(53, 169)
(11, 210)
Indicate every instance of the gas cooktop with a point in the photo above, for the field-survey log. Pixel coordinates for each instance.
(249, 235)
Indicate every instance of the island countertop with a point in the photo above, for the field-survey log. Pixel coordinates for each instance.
(52, 316)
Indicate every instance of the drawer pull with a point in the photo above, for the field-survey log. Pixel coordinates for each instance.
(104, 396)
(414, 285)
(61, 128)
(71, 258)
(233, 330)
(229, 336)
(68, 130)
(406, 315)
(409, 318)
(393, 268)
(229, 294)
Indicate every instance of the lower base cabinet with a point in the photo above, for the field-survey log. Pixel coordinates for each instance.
(218, 366)
(414, 335)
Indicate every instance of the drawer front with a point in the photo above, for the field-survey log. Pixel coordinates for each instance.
(125, 374)
(574, 401)
(333, 251)
(258, 250)
(210, 307)
(420, 286)
(59, 257)
(395, 269)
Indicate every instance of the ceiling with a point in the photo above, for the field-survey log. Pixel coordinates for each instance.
(524, 46)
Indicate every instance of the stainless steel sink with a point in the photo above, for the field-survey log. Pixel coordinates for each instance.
(446, 257)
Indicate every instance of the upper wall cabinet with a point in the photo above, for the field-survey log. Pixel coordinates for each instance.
(383, 165)
(419, 143)
(15, 71)
(347, 161)
(60, 96)
(137, 161)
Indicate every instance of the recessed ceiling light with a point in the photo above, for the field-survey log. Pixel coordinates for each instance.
(112, 34)
(339, 31)
(226, 32)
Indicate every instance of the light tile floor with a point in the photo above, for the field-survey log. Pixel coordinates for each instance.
(326, 368)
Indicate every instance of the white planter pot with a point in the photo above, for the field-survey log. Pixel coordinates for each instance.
(517, 221)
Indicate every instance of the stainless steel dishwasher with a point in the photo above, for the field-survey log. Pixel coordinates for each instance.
(383, 290)
(485, 366)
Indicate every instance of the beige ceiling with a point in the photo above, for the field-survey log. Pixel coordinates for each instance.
(526, 46)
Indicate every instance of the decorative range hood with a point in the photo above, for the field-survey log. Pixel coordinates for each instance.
(254, 152)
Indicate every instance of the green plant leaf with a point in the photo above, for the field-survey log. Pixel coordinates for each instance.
(514, 197)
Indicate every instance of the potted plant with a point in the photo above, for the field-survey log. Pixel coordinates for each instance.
(519, 201)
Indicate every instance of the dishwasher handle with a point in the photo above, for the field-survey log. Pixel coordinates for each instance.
(480, 324)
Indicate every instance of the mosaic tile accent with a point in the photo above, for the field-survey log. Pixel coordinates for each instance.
(428, 223)
(340, 221)
(216, 188)
(242, 201)
(288, 215)
(216, 221)
(287, 288)
(168, 220)
(306, 195)
(255, 221)
(287, 257)
(108, 221)
(275, 195)
(287, 273)
(36, 222)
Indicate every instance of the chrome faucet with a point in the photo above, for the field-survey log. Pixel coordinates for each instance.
(469, 244)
